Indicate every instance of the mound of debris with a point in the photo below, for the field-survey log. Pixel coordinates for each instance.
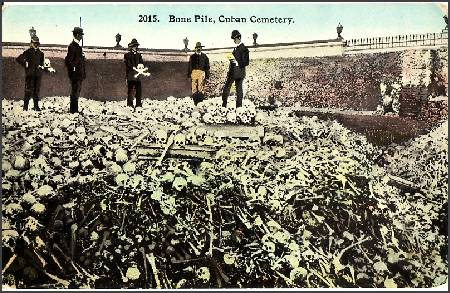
(300, 203)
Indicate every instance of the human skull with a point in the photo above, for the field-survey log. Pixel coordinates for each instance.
(140, 66)
(268, 245)
(20, 162)
(208, 118)
(65, 123)
(239, 112)
(179, 140)
(203, 274)
(81, 132)
(177, 117)
(201, 133)
(243, 115)
(196, 115)
(278, 138)
(161, 136)
(218, 139)
(212, 110)
(36, 176)
(231, 117)
(191, 137)
(218, 118)
(208, 140)
(254, 138)
(260, 117)
(168, 115)
(47, 63)
(45, 131)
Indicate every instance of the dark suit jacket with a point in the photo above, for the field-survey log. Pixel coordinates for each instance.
(200, 62)
(34, 59)
(131, 60)
(241, 55)
(75, 62)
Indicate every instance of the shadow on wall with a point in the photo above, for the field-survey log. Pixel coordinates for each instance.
(105, 80)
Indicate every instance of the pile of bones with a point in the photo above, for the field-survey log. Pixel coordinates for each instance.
(304, 206)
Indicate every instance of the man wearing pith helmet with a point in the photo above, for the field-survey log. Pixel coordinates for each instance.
(132, 59)
(236, 70)
(75, 63)
(33, 62)
(198, 72)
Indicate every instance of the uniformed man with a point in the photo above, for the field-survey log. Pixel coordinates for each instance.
(198, 71)
(75, 63)
(33, 62)
(236, 70)
(132, 59)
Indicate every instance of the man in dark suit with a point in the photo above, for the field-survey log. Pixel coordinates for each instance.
(198, 72)
(75, 63)
(132, 59)
(33, 62)
(236, 70)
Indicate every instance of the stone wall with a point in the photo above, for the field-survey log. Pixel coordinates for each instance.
(105, 72)
(424, 77)
(345, 82)
(335, 81)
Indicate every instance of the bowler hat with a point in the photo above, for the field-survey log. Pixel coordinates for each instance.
(198, 45)
(133, 43)
(35, 39)
(78, 30)
(235, 34)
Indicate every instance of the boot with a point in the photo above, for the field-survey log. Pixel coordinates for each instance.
(26, 100)
(36, 104)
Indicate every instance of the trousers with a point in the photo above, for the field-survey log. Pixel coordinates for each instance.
(134, 90)
(198, 81)
(75, 94)
(239, 91)
(32, 89)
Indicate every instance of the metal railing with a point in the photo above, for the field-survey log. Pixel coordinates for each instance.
(431, 39)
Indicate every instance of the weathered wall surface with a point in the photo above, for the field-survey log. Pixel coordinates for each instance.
(346, 82)
(424, 78)
(335, 81)
(105, 76)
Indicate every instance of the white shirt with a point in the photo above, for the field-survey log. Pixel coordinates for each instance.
(234, 60)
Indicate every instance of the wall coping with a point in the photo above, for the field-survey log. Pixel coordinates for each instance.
(395, 49)
(14, 45)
